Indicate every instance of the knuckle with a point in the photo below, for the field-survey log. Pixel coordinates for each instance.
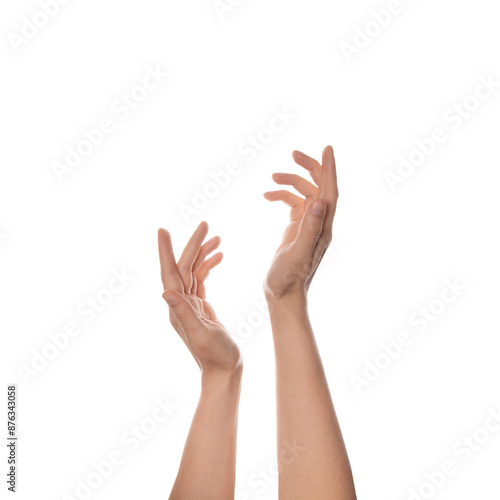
(313, 230)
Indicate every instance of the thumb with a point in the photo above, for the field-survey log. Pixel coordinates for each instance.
(182, 310)
(310, 228)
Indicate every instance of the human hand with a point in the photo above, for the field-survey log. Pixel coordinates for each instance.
(190, 314)
(309, 232)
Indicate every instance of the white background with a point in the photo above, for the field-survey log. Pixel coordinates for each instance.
(394, 249)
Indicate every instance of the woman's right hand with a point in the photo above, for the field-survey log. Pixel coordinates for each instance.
(309, 232)
(190, 314)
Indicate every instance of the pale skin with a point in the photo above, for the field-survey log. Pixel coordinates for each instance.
(207, 469)
(305, 411)
(312, 458)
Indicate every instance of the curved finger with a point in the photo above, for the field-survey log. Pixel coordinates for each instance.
(204, 271)
(207, 266)
(205, 250)
(170, 276)
(295, 202)
(292, 200)
(310, 164)
(303, 186)
(190, 254)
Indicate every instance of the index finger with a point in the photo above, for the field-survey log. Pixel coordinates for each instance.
(170, 276)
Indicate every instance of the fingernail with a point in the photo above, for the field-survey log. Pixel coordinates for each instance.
(171, 299)
(318, 207)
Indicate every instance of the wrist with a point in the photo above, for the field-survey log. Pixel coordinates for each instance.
(217, 379)
(294, 301)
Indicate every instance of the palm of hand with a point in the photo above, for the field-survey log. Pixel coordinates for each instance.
(211, 344)
(195, 320)
(292, 269)
(287, 273)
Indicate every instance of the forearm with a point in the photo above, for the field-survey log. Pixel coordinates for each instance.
(207, 469)
(305, 411)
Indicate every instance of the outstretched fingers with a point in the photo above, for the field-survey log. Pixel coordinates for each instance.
(315, 231)
(170, 276)
(329, 194)
(205, 250)
(203, 271)
(303, 186)
(190, 254)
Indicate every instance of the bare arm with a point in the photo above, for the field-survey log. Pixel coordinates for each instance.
(207, 468)
(319, 468)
